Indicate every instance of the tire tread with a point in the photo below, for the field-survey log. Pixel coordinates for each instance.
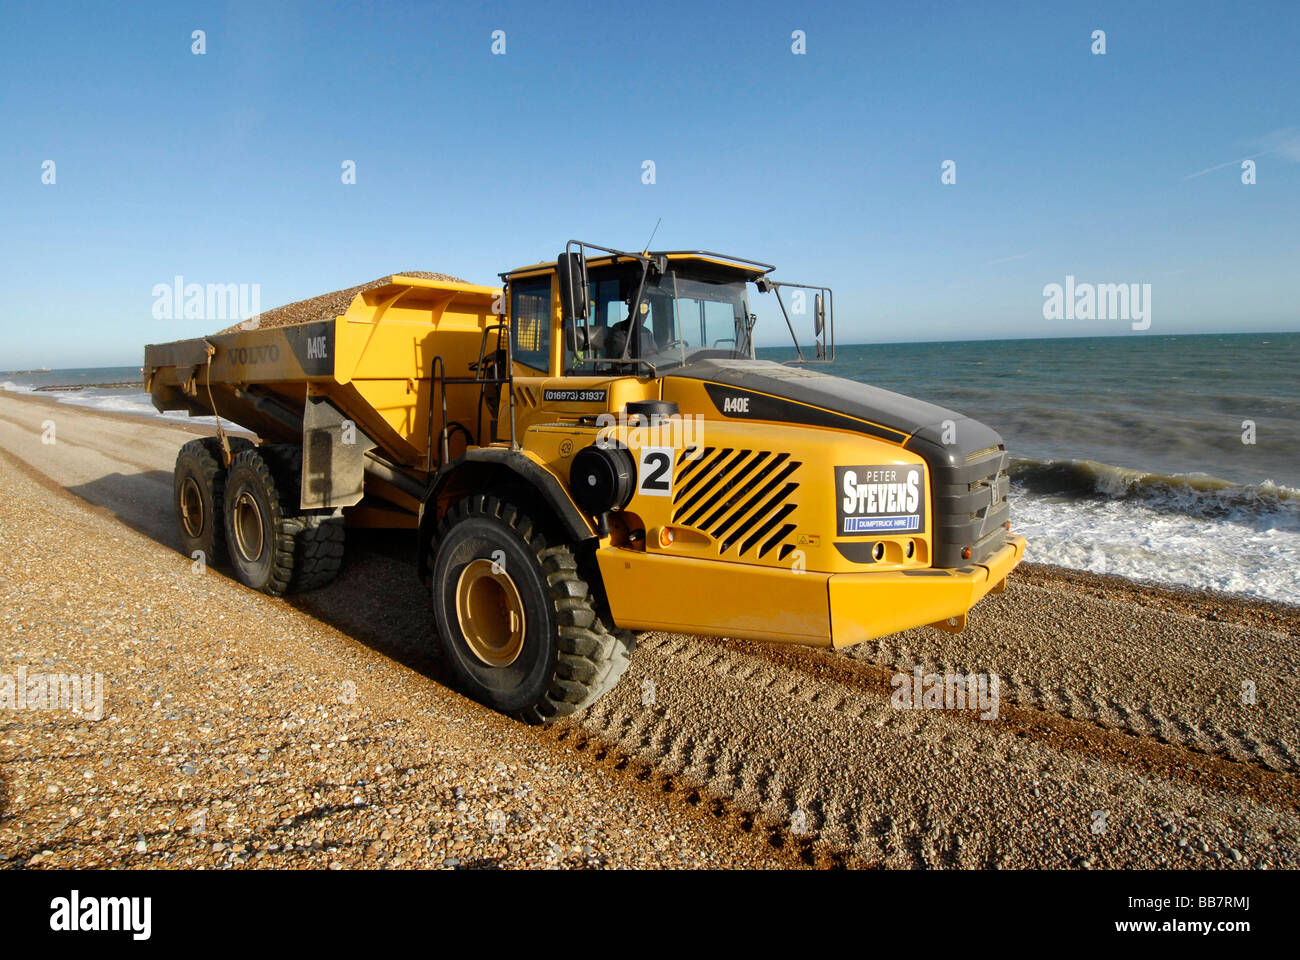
(590, 657)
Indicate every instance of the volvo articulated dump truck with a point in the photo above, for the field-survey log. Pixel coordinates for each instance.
(590, 451)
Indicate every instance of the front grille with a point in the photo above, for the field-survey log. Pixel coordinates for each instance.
(741, 498)
(973, 511)
(970, 486)
(981, 454)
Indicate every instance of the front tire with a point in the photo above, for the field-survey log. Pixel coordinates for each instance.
(515, 617)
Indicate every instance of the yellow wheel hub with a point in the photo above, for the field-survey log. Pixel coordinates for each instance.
(191, 507)
(248, 527)
(491, 613)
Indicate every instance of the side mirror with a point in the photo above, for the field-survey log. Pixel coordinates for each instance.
(823, 319)
(571, 271)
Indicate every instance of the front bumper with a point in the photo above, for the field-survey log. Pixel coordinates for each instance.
(868, 605)
(657, 591)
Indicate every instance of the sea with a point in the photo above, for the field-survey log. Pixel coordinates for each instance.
(1164, 459)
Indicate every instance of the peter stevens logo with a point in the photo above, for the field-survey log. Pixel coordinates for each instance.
(880, 499)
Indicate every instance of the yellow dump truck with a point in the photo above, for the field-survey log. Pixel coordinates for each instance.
(589, 451)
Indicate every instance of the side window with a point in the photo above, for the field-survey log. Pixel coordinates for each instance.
(610, 309)
(530, 310)
(607, 309)
(719, 326)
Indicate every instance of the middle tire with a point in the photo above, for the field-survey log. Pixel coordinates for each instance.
(515, 618)
(259, 544)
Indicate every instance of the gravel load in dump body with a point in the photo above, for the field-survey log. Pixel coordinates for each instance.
(328, 305)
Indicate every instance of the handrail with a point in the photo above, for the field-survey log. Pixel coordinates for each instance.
(438, 376)
(438, 364)
(503, 336)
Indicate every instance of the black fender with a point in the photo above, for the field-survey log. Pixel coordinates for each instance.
(484, 467)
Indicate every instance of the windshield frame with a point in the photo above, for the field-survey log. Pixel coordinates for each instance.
(742, 342)
(669, 288)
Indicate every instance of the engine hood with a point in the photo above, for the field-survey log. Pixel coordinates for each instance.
(967, 459)
(764, 390)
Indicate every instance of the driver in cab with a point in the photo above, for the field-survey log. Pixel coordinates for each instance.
(643, 340)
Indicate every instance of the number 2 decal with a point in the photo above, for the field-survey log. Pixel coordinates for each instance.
(655, 474)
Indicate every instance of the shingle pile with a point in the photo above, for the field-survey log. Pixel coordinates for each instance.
(328, 305)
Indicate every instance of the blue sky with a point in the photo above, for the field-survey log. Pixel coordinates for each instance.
(226, 167)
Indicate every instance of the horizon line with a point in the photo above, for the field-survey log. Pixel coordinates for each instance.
(857, 343)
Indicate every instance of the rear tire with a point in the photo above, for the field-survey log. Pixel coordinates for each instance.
(318, 550)
(319, 536)
(198, 497)
(515, 618)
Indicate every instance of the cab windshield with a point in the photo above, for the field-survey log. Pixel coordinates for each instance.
(681, 318)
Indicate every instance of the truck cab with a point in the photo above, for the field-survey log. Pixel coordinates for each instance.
(758, 490)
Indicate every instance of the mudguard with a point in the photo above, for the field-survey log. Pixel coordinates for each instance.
(576, 527)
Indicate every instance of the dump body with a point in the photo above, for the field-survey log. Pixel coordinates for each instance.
(373, 365)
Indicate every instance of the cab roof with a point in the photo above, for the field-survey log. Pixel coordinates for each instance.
(748, 269)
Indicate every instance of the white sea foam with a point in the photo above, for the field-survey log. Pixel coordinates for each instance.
(116, 400)
(1251, 555)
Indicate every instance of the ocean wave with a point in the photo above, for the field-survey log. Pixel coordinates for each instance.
(1191, 494)
(131, 401)
(1190, 530)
